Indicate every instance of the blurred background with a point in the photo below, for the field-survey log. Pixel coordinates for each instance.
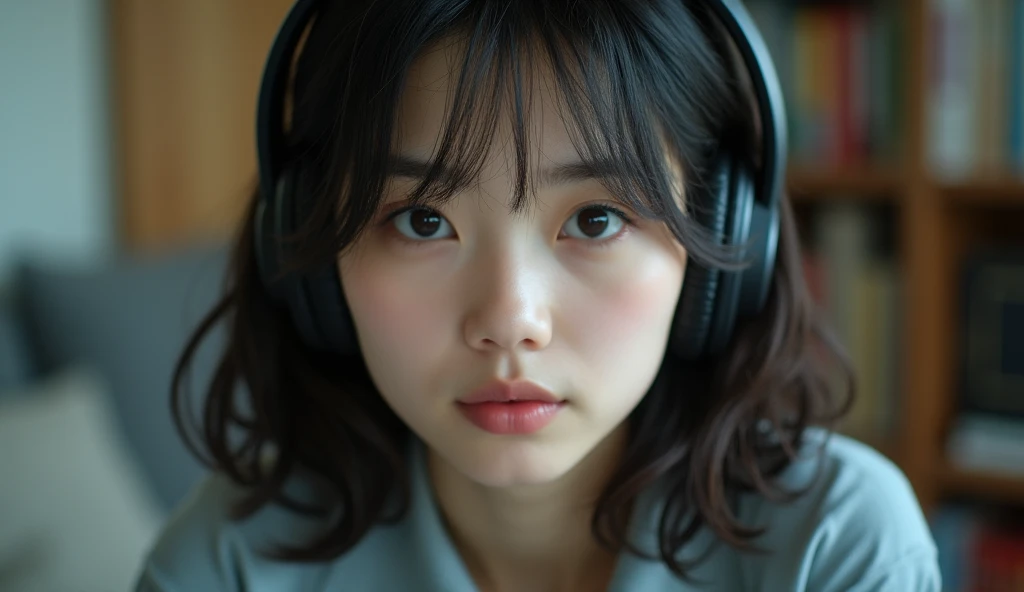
(127, 155)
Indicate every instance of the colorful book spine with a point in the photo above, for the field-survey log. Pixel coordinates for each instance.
(839, 68)
(976, 88)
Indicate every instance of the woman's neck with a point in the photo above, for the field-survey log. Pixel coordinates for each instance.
(535, 538)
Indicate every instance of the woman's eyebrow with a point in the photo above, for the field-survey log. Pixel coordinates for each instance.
(577, 172)
(415, 168)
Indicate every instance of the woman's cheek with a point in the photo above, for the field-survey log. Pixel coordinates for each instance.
(395, 308)
(629, 310)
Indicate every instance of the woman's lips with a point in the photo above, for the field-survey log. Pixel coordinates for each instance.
(511, 417)
(509, 408)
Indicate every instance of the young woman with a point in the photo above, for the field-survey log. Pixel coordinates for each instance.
(519, 307)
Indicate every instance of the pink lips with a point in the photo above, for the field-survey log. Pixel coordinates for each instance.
(510, 408)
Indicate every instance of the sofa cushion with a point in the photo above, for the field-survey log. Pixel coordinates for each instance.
(130, 319)
(74, 511)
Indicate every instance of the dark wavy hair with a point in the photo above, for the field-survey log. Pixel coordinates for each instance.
(638, 77)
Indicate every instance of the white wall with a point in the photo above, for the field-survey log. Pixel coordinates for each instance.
(55, 138)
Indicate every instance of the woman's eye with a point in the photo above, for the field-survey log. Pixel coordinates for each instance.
(422, 224)
(595, 223)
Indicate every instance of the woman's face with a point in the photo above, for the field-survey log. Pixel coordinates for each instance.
(569, 296)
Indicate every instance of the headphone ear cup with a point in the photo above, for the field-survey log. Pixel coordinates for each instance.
(329, 314)
(739, 197)
(267, 228)
(757, 278)
(695, 312)
(314, 299)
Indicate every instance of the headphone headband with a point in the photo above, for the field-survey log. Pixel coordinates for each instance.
(768, 92)
(270, 132)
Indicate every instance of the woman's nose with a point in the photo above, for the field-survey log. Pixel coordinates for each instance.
(510, 306)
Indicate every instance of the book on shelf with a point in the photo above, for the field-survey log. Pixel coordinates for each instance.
(987, 433)
(855, 282)
(839, 65)
(979, 549)
(975, 88)
(843, 74)
(988, 443)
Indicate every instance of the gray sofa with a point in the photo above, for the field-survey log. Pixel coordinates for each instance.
(128, 319)
(125, 321)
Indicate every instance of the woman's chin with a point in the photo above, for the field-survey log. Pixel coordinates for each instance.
(503, 461)
(507, 464)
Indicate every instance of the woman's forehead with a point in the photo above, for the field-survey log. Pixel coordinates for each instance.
(425, 108)
(454, 137)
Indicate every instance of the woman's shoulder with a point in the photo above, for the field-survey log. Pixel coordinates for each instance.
(846, 479)
(201, 547)
(191, 549)
(858, 520)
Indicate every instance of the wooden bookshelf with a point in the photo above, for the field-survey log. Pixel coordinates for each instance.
(807, 182)
(997, 190)
(937, 222)
(980, 485)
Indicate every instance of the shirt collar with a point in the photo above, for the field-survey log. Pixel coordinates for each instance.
(442, 566)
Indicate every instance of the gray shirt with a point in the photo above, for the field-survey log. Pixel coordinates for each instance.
(858, 528)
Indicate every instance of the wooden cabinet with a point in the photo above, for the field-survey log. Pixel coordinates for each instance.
(185, 79)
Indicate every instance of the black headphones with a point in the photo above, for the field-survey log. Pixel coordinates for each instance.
(744, 210)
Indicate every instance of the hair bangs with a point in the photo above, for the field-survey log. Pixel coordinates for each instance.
(645, 131)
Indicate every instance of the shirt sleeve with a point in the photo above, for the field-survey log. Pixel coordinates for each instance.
(918, 571)
(202, 548)
(872, 534)
(858, 527)
(150, 581)
(196, 550)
